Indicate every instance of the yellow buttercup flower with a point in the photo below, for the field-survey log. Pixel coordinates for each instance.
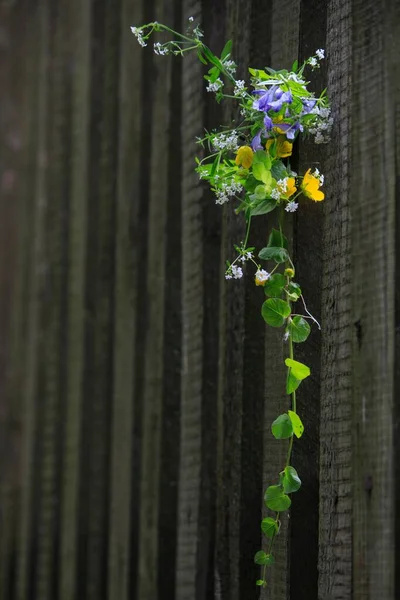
(244, 157)
(310, 187)
(283, 147)
(278, 120)
(290, 187)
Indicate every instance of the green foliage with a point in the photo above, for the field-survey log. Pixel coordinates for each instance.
(276, 499)
(282, 427)
(257, 183)
(275, 311)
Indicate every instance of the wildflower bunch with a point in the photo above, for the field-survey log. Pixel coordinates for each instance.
(249, 166)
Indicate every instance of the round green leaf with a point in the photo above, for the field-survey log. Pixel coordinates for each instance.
(261, 558)
(261, 582)
(291, 383)
(290, 480)
(282, 427)
(275, 311)
(298, 427)
(299, 370)
(299, 329)
(276, 499)
(279, 255)
(269, 527)
(275, 285)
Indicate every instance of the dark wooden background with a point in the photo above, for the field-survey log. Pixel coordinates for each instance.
(137, 387)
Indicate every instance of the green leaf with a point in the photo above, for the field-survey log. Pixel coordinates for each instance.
(215, 165)
(294, 290)
(261, 558)
(299, 329)
(264, 207)
(282, 427)
(290, 480)
(261, 173)
(212, 58)
(291, 383)
(299, 370)
(275, 311)
(269, 527)
(276, 499)
(261, 582)
(277, 240)
(274, 285)
(261, 157)
(279, 170)
(227, 49)
(201, 57)
(279, 255)
(298, 427)
(295, 65)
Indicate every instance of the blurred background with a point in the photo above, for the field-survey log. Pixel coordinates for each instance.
(137, 386)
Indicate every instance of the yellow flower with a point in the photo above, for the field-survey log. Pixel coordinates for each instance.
(290, 187)
(283, 147)
(278, 120)
(289, 273)
(244, 157)
(310, 187)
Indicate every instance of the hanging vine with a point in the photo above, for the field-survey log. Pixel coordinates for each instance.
(249, 165)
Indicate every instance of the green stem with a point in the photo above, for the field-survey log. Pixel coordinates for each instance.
(247, 232)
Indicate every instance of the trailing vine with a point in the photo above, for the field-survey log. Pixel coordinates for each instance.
(249, 165)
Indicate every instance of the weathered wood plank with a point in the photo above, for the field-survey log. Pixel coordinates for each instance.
(147, 584)
(79, 24)
(125, 303)
(51, 367)
(192, 324)
(26, 543)
(373, 255)
(335, 543)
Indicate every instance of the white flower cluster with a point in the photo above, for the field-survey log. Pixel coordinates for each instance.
(313, 62)
(322, 128)
(246, 256)
(230, 66)
(262, 276)
(319, 176)
(239, 90)
(216, 86)
(282, 185)
(160, 49)
(291, 206)
(235, 272)
(225, 141)
(137, 32)
(191, 19)
(226, 191)
(320, 53)
(275, 194)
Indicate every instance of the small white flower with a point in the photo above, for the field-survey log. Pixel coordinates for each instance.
(312, 61)
(320, 53)
(237, 272)
(160, 49)
(138, 35)
(282, 185)
(191, 19)
(239, 88)
(261, 277)
(246, 256)
(225, 141)
(228, 276)
(230, 66)
(216, 86)
(286, 336)
(275, 194)
(319, 176)
(291, 206)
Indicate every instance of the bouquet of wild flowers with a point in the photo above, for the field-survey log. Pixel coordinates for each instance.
(249, 165)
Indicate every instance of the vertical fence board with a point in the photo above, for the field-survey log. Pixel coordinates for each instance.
(335, 544)
(373, 231)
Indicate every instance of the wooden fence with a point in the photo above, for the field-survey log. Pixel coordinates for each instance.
(137, 387)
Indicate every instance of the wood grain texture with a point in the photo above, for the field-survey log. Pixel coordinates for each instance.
(192, 323)
(79, 22)
(335, 532)
(373, 255)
